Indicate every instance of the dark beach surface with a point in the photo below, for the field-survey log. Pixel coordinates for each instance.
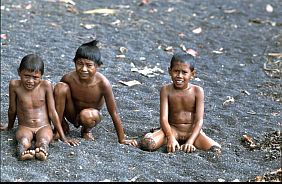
(238, 67)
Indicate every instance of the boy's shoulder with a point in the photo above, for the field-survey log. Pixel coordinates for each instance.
(15, 82)
(197, 89)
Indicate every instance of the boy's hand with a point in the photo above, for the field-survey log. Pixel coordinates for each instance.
(188, 148)
(131, 142)
(172, 145)
(72, 142)
(3, 127)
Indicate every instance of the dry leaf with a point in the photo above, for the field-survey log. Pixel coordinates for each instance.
(120, 56)
(72, 9)
(29, 6)
(192, 52)
(100, 11)
(123, 49)
(220, 51)
(229, 100)
(88, 26)
(130, 83)
(181, 35)
(230, 11)
(68, 2)
(197, 31)
(4, 36)
(269, 8)
(148, 72)
(249, 140)
(169, 48)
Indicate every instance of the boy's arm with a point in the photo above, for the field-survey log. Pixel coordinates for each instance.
(172, 143)
(54, 115)
(12, 111)
(199, 115)
(112, 109)
(164, 113)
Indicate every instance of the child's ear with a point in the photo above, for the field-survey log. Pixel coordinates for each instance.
(169, 70)
(193, 74)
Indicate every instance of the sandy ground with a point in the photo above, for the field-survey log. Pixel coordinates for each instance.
(242, 85)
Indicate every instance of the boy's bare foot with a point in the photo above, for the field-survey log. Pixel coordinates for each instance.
(27, 155)
(216, 150)
(87, 136)
(41, 154)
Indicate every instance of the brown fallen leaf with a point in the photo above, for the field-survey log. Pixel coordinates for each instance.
(249, 140)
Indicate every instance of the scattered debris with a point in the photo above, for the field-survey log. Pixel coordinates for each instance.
(272, 176)
(269, 8)
(197, 31)
(148, 72)
(273, 66)
(230, 11)
(251, 112)
(130, 83)
(249, 141)
(246, 92)
(4, 36)
(259, 21)
(220, 51)
(68, 2)
(87, 26)
(230, 100)
(192, 52)
(105, 11)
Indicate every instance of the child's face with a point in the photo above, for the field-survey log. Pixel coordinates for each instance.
(85, 68)
(180, 75)
(29, 79)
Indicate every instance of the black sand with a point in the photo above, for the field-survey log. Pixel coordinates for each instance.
(245, 31)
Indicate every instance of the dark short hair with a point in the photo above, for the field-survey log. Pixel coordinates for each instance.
(183, 58)
(32, 62)
(89, 51)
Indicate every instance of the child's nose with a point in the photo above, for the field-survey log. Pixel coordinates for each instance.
(84, 68)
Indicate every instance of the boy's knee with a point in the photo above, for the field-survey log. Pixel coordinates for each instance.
(148, 144)
(61, 88)
(25, 141)
(89, 117)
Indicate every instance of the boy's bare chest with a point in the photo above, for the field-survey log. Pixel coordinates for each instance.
(86, 93)
(181, 101)
(31, 100)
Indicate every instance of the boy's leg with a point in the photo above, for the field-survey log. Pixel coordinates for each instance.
(24, 137)
(153, 141)
(64, 106)
(89, 118)
(43, 138)
(203, 142)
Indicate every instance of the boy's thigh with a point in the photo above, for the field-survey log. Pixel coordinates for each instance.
(44, 134)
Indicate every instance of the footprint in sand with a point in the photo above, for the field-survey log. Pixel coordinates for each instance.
(27, 155)
(41, 154)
